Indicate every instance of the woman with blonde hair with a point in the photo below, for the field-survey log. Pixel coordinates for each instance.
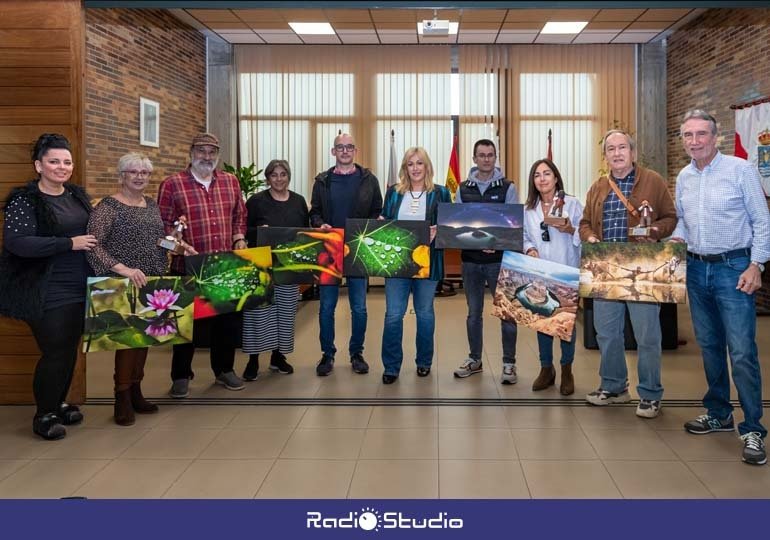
(414, 198)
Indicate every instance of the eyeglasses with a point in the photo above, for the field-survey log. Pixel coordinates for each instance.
(134, 172)
(486, 156)
(341, 147)
(205, 151)
(545, 235)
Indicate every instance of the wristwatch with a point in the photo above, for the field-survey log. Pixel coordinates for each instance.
(759, 265)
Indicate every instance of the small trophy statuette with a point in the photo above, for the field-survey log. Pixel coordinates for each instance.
(555, 217)
(645, 221)
(173, 242)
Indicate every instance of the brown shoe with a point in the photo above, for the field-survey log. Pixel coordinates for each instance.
(567, 387)
(138, 401)
(546, 378)
(124, 412)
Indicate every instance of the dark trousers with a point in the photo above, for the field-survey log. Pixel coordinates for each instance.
(57, 334)
(222, 333)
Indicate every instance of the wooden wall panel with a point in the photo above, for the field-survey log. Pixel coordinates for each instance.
(41, 90)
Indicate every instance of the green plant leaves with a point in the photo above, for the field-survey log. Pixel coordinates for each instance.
(383, 248)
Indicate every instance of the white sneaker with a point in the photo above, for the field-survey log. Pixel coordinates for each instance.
(648, 408)
(469, 367)
(509, 374)
(603, 397)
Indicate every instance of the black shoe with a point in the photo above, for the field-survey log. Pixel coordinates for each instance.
(70, 415)
(387, 378)
(251, 373)
(49, 427)
(325, 366)
(708, 424)
(278, 363)
(423, 371)
(359, 364)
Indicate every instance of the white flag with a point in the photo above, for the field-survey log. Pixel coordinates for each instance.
(393, 167)
(752, 138)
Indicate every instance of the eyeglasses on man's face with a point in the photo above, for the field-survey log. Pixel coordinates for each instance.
(345, 147)
(544, 235)
(486, 156)
(134, 172)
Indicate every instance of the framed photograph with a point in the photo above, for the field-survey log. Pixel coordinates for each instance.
(385, 248)
(149, 122)
(304, 256)
(476, 226)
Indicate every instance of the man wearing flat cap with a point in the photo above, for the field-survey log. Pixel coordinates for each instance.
(211, 201)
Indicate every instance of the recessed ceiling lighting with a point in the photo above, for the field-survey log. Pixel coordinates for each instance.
(563, 27)
(453, 28)
(312, 28)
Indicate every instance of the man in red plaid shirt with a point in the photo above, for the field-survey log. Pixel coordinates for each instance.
(211, 201)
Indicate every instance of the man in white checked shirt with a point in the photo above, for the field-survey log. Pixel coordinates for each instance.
(724, 219)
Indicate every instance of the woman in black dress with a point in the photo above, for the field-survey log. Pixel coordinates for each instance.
(127, 226)
(272, 328)
(43, 273)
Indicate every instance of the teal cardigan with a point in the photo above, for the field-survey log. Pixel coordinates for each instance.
(440, 194)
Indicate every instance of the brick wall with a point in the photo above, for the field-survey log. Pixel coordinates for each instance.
(717, 60)
(147, 53)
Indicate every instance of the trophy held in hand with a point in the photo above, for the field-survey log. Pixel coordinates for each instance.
(554, 217)
(645, 221)
(173, 242)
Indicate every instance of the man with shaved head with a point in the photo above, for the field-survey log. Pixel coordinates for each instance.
(347, 190)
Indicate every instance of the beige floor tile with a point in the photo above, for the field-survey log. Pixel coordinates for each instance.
(629, 444)
(101, 417)
(557, 444)
(395, 479)
(194, 417)
(247, 443)
(466, 479)
(16, 416)
(9, 466)
(134, 479)
(20, 443)
(87, 443)
(733, 480)
(308, 479)
(220, 479)
(268, 416)
(336, 417)
(540, 417)
(656, 480)
(400, 444)
(50, 479)
(673, 418)
(474, 387)
(569, 480)
(409, 385)
(323, 444)
(611, 417)
(457, 443)
(472, 417)
(171, 444)
(711, 447)
(406, 416)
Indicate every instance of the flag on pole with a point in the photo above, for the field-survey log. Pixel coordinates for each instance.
(393, 167)
(549, 151)
(453, 173)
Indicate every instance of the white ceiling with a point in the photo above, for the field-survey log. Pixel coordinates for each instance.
(398, 26)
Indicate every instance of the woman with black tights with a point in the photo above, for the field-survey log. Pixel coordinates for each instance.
(43, 273)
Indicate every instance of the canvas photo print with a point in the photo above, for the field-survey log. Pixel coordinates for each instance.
(636, 271)
(119, 315)
(303, 255)
(476, 226)
(538, 294)
(387, 248)
(231, 281)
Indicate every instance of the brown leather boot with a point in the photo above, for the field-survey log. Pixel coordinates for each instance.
(124, 412)
(567, 387)
(546, 378)
(138, 401)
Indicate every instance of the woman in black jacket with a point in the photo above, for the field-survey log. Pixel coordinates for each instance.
(43, 273)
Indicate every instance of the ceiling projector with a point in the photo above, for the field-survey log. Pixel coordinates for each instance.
(435, 27)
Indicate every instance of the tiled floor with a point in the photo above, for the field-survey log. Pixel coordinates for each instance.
(348, 435)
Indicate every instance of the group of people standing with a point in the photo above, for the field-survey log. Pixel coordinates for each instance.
(53, 240)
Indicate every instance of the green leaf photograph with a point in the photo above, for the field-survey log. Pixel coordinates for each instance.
(387, 248)
(121, 316)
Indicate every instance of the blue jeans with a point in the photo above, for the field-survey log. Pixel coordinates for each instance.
(357, 299)
(475, 278)
(545, 346)
(724, 320)
(609, 321)
(396, 298)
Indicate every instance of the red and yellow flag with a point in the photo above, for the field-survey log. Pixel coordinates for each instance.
(453, 173)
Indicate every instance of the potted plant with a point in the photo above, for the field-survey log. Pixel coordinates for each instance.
(248, 178)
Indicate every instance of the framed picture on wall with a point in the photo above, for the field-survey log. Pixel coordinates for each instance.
(149, 122)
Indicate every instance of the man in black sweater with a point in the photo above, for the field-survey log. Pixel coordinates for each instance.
(347, 190)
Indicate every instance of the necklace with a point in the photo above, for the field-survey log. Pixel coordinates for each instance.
(414, 204)
(411, 194)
